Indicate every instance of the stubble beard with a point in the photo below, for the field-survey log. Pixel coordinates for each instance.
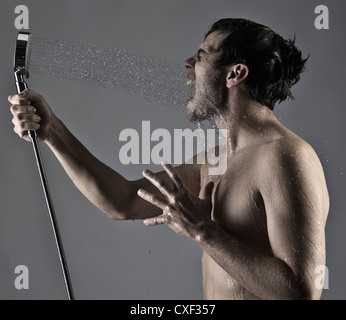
(207, 103)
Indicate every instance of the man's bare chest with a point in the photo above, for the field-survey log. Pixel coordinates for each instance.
(237, 203)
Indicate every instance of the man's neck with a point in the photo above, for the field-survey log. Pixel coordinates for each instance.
(248, 123)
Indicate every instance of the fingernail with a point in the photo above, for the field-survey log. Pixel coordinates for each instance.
(146, 222)
(33, 110)
(23, 93)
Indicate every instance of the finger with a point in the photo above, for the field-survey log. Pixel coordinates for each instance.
(17, 109)
(173, 174)
(162, 219)
(153, 199)
(27, 94)
(23, 134)
(19, 98)
(26, 117)
(22, 128)
(24, 102)
(158, 183)
(207, 191)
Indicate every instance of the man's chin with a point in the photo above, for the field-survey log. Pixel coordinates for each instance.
(192, 117)
(198, 114)
(195, 117)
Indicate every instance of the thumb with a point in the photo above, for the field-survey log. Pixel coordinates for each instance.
(32, 95)
(207, 191)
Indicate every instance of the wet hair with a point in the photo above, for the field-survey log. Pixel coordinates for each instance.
(275, 64)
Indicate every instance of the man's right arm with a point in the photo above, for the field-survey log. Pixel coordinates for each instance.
(103, 186)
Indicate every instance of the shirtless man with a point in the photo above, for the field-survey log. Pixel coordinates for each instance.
(261, 223)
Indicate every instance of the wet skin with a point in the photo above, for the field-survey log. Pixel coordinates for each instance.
(264, 235)
(260, 224)
(265, 232)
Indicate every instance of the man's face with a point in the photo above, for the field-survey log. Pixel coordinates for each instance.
(209, 80)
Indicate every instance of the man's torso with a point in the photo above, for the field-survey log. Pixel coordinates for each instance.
(239, 208)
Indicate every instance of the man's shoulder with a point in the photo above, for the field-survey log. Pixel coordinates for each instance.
(289, 146)
(292, 165)
(291, 154)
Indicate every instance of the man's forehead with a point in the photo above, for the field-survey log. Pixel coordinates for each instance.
(212, 43)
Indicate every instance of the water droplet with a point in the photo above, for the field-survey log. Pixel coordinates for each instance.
(153, 79)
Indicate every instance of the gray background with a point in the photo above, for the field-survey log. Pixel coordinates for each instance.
(126, 260)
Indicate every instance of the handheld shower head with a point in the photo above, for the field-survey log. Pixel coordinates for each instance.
(22, 60)
(21, 70)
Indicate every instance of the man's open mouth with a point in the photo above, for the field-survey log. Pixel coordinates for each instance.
(188, 101)
(190, 82)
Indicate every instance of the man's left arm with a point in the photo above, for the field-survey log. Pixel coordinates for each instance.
(297, 203)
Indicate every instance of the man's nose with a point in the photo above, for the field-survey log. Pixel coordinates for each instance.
(190, 63)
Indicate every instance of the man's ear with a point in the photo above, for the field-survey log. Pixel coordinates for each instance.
(236, 74)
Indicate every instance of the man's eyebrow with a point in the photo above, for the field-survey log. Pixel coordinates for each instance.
(207, 50)
(201, 51)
